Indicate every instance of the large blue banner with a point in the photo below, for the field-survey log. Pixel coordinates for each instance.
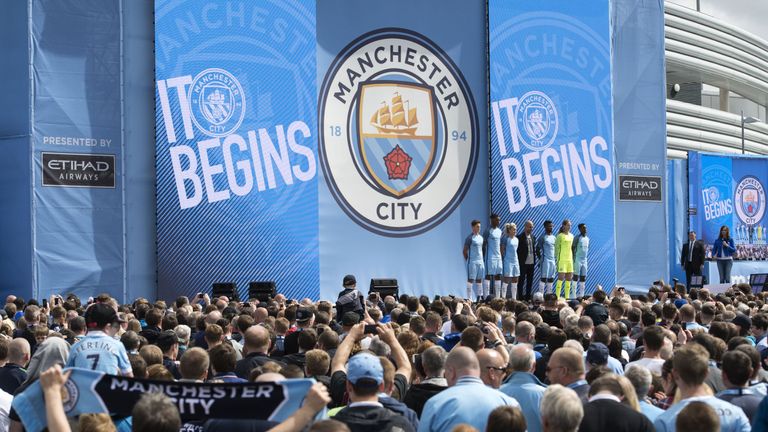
(729, 191)
(551, 120)
(77, 143)
(640, 136)
(402, 140)
(236, 143)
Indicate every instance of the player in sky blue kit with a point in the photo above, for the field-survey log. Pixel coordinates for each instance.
(545, 250)
(473, 255)
(99, 350)
(580, 249)
(511, 262)
(494, 265)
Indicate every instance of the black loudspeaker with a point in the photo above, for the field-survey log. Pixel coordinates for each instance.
(384, 287)
(228, 289)
(697, 281)
(758, 282)
(263, 291)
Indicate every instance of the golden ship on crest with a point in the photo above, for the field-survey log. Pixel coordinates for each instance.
(398, 120)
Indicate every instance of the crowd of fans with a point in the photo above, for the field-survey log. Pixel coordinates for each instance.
(667, 360)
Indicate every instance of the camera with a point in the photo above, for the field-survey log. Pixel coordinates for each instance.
(482, 327)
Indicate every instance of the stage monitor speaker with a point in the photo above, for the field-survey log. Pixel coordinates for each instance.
(263, 291)
(758, 282)
(384, 287)
(228, 289)
(697, 281)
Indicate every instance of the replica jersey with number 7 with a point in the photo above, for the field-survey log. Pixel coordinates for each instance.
(98, 351)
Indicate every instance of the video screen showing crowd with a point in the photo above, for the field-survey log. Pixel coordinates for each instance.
(502, 263)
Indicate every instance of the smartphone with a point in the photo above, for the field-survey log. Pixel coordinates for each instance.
(370, 329)
(684, 325)
(482, 327)
(45, 303)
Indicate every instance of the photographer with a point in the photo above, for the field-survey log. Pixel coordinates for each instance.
(355, 335)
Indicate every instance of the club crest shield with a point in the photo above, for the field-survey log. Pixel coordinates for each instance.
(396, 134)
(216, 101)
(750, 200)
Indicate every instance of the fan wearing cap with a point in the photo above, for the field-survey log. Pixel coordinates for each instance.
(365, 380)
(350, 299)
(597, 355)
(99, 350)
(305, 318)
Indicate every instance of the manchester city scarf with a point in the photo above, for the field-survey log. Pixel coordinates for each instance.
(89, 391)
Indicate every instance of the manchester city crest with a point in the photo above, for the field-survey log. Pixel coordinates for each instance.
(713, 194)
(217, 102)
(70, 394)
(398, 132)
(537, 121)
(750, 200)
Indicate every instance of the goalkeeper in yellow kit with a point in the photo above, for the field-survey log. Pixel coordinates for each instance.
(564, 256)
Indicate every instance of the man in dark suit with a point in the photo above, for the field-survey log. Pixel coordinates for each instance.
(526, 256)
(605, 412)
(692, 258)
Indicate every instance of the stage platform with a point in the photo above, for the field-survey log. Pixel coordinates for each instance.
(741, 269)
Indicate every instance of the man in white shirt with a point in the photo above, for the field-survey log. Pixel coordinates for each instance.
(5, 408)
(653, 341)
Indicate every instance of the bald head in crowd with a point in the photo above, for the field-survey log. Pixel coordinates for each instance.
(461, 362)
(213, 317)
(256, 340)
(566, 366)
(19, 352)
(260, 315)
(492, 367)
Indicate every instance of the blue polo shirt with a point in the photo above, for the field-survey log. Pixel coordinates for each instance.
(468, 401)
(732, 418)
(528, 391)
(649, 410)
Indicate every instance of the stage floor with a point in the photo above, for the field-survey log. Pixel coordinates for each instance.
(740, 270)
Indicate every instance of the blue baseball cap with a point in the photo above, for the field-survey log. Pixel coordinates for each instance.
(597, 354)
(365, 369)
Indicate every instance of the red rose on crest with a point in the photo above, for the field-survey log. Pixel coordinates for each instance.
(398, 163)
